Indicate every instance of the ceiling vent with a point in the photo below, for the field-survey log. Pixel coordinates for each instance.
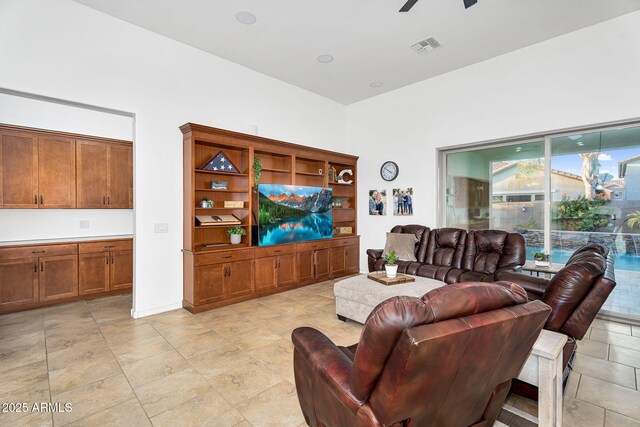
(426, 45)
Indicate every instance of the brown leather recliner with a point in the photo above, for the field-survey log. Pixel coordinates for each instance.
(575, 294)
(447, 358)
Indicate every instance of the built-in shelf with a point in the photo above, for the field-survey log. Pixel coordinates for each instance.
(276, 170)
(221, 225)
(339, 183)
(213, 190)
(309, 174)
(220, 172)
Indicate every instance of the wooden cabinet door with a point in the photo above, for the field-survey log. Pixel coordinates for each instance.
(121, 269)
(306, 270)
(322, 264)
(18, 170)
(91, 173)
(286, 271)
(209, 283)
(337, 261)
(56, 172)
(120, 176)
(58, 277)
(265, 273)
(239, 278)
(352, 259)
(93, 273)
(18, 282)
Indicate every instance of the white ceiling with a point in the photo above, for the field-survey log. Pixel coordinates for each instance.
(369, 39)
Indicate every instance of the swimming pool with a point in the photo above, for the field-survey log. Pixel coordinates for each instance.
(622, 261)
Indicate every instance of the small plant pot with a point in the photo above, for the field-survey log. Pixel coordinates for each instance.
(539, 263)
(392, 270)
(235, 238)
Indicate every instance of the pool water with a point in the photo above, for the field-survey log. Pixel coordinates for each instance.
(621, 262)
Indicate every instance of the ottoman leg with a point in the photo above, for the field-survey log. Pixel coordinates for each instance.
(341, 317)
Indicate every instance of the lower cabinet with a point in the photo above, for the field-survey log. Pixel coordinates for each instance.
(33, 276)
(221, 277)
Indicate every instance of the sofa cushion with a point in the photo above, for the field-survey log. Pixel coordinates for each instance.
(446, 247)
(404, 245)
(422, 234)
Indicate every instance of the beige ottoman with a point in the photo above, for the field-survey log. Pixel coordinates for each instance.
(358, 295)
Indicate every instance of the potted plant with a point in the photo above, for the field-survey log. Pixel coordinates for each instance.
(390, 265)
(257, 171)
(541, 259)
(235, 234)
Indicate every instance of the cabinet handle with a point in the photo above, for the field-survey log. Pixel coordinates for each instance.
(109, 200)
(35, 267)
(229, 271)
(107, 258)
(38, 252)
(112, 259)
(226, 257)
(41, 199)
(35, 199)
(277, 252)
(112, 246)
(104, 200)
(42, 266)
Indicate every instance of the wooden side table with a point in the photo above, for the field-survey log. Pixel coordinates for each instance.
(544, 369)
(531, 267)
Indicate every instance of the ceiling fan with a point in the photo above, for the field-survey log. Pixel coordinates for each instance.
(409, 4)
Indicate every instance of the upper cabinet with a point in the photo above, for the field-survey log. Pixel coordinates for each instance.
(42, 169)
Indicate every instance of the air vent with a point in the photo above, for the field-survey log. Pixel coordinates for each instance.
(426, 45)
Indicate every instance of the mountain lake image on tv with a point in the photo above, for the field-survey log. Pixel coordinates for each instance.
(292, 213)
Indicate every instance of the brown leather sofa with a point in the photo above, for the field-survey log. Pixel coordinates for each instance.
(575, 294)
(447, 358)
(453, 255)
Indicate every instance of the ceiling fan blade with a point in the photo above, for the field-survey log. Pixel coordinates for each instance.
(469, 3)
(408, 5)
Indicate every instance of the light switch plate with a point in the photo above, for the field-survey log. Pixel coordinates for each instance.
(85, 224)
(161, 228)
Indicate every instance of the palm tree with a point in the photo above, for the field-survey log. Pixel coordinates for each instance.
(633, 219)
(590, 171)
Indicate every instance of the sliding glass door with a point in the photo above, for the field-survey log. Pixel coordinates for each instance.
(560, 192)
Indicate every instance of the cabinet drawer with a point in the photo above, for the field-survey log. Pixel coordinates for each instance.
(37, 251)
(275, 250)
(107, 245)
(310, 246)
(220, 257)
(347, 241)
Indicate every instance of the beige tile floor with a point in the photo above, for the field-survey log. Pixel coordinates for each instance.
(232, 366)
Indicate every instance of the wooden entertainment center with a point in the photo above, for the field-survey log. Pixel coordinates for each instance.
(217, 273)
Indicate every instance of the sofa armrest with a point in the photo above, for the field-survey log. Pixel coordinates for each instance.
(373, 255)
(535, 286)
(328, 362)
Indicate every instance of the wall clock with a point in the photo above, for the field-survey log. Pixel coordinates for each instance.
(389, 170)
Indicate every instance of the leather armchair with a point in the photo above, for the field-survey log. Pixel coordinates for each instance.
(447, 358)
(575, 294)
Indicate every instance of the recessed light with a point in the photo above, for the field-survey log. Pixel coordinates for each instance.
(325, 59)
(246, 18)
(376, 84)
(519, 149)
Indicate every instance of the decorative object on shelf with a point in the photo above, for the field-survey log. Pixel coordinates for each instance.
(344, 230)
(220, 163)
(337, 202)
(403, 201)
(341, 175)
(233, 204)
(205, 220)
(257, 171)
(235, 234)
(219, 185)
(377, 202)
(331, 171)
(390, 265)
(541, 259)
(389, 170)
(206, 203)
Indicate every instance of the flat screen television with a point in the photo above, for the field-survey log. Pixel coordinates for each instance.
(293, 213)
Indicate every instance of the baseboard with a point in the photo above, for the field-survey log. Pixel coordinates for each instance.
(155, 310)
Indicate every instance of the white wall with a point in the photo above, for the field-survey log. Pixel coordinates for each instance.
(65, 50)
(582, 78)
(27, 224)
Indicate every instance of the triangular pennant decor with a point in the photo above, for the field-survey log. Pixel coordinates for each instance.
(220, 162)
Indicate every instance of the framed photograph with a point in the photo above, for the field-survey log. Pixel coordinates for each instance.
(219, 185)
(403, 201)
(377, 202)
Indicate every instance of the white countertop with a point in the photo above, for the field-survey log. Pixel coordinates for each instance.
(65, 240)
